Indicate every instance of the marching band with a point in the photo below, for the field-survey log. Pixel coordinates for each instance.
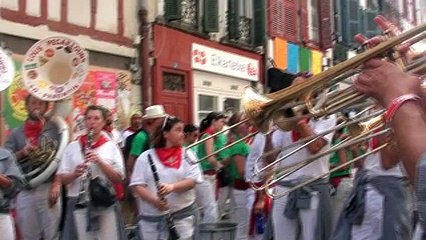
(269, 178)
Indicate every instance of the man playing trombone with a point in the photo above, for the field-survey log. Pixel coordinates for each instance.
(305, 213)
(388, 84)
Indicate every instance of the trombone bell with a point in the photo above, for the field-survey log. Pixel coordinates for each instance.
(254, 104)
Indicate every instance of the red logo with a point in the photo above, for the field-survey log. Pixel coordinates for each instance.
(49, 53)
(199, 56)
(251, 70)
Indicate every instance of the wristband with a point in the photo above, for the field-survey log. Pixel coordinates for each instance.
(396, 103)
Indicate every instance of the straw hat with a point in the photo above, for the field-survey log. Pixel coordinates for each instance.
(154, 111)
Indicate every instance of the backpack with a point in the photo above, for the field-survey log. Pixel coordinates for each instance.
(129, 141)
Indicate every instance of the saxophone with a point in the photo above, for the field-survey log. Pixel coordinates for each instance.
(83, 195)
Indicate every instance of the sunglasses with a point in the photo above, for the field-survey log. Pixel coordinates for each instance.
(167, 119)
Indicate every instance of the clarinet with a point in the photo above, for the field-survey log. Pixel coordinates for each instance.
(83, 196)
(173, 234)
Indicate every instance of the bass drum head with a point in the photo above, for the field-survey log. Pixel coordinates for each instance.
(54, 68)
(7, 70)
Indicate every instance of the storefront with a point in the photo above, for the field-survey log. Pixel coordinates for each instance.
(194, 76)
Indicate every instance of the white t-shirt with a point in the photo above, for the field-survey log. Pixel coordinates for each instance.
(319, 166)
(373, 164)
(142, 175)
(108, 152)
(256, 150)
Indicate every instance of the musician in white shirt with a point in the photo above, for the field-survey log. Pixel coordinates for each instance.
(177, 178)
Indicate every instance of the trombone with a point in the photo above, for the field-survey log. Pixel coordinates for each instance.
(274, 180)
(357, 130)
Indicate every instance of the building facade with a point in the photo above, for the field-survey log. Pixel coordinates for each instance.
(108, 29)
(299, 35)
(357, 16)
(198, 56)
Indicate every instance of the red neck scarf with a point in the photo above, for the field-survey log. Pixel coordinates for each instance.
(101, 140)
(170, 157)
(32, 130)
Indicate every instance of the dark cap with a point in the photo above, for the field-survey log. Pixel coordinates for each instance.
(278, 79)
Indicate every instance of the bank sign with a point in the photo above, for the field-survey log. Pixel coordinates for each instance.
(221, 62)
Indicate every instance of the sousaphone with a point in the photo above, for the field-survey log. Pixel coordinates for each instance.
(53, 69)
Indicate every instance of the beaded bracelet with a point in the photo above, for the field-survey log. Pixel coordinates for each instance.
(396, 103)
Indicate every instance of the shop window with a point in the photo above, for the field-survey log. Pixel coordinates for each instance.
(173, 82)
(231, 105)
(206, 104)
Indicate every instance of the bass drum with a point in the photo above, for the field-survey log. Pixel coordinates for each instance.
(52, 70)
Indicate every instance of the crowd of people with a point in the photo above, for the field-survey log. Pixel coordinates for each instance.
(153, 176)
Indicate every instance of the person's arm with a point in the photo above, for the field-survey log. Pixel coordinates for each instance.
(55, 190)
(151, 198)
(240, 164)
(209, 146)
(5, 182)
(269, 149)
(343, 158)
(306, 131)
(69, 177)
(409, 124)
(177, 187)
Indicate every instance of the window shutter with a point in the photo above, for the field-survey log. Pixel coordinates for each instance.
(337, 20)
(276, 18)
(211, 13)
(304, 20)
(370, 28)
(172, 10)
(259, 22)
(325, 24)
(233, 19)
(290, 20)
(351, 21)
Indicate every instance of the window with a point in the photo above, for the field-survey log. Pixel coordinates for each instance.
(246, 8)
(373, 4)
(313, 20)
(206, 104)
(173, 82)
(231, 105)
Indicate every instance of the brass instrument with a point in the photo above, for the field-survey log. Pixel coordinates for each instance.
(361, 129)
(267, 111)
(52, 70)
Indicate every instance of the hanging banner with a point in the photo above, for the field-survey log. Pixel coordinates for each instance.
(14, 100)
(305, 59)
(106, 93)
(316, 62)
(280, 53)
(293, 58)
